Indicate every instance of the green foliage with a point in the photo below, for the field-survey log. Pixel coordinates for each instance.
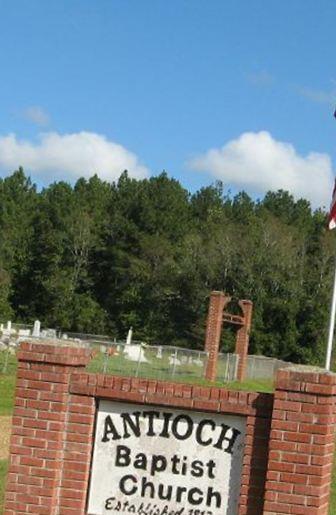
(99, 257)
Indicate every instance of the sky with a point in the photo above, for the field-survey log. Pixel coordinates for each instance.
(233, 90)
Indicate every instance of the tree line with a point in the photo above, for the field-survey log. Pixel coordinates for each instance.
(99, 257)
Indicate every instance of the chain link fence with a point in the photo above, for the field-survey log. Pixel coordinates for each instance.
(139, 359)
(227, 366)
(150, 361)
(175, 363)
(261, 367)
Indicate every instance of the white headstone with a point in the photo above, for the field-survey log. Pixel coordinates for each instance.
(36, 329)
(129, 336)
(135, 353)
(198, 362)
(9, 326)
(165, 461)
(23, 332)
(173, 360)
(51, 333)
(159, 353)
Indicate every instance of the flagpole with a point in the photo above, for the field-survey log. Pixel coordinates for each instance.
(331, 324)
(332, 225)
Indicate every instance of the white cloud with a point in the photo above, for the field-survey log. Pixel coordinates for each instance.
(256, 162)
(37, 115)
(69, 156)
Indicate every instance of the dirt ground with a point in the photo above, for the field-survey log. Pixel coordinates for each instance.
(5, 425)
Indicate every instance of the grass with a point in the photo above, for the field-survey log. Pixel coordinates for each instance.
(256, 385)
(7, 386)
(332, 506)
(7, 383)
(3, 473)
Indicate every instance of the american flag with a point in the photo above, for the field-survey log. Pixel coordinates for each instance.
(332, 212)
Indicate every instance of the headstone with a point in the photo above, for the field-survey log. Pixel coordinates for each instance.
(9, 326)
(51, 333)
(173, 360)
(135, 353)
(23, 332)
(159, 353)
(129, 336)
(198, 362)
(200, 464)
(36, 329)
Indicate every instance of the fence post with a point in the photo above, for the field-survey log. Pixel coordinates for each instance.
(226, 376)
(5, 365)
(138, 363)
(174, 363)
(105, 361)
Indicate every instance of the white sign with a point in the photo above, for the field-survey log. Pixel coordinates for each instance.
(156, 461)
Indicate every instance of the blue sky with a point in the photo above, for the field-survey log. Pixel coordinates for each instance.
(98, 86)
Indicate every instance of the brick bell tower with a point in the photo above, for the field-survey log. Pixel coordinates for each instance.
(216, 317)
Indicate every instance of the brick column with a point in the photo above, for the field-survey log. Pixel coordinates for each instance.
(41, 418)
(301, 443)
(218, 301)
(242, 338)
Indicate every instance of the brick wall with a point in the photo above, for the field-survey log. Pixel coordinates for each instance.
(41, 419)
(301, 443)
(53, 425)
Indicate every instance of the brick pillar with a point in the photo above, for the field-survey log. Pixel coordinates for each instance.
(40, 420)
(218, 301)
(301, 443)
(242, 338)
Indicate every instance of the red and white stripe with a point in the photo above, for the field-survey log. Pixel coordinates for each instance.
(332, 212)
